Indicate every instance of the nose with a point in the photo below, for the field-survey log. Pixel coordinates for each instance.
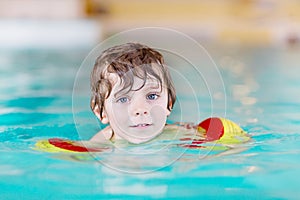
(139, 109)
(140, 112)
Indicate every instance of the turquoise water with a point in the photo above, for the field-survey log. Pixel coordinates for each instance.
(262, 90)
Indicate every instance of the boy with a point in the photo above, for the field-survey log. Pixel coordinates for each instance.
(132, 91)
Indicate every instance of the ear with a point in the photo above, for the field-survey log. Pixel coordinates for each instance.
(169, 108)
(104, 119)
(168, 112)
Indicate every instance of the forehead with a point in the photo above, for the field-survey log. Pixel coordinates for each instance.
(136, 84)
(124, 74)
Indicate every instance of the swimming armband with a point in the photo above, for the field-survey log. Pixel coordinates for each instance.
(217, 130)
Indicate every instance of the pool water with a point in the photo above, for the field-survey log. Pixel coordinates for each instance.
(262, 91)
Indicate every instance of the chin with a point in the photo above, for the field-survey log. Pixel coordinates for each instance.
(137, 138)
(139, 141)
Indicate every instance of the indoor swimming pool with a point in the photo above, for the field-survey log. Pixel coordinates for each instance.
(262, 96)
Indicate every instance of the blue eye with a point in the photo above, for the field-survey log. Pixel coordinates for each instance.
(152, 96)
(123, 100)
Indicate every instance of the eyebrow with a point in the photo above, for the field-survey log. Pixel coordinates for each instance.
(151, 85)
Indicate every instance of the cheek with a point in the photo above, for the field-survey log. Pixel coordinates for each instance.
(118, 113)
(159, 113)
(161, 106)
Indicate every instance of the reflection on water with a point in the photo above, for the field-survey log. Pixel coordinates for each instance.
(256, 78)
(30, 73)
(243, 90)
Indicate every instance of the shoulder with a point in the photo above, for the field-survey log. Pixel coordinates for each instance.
(103, 135)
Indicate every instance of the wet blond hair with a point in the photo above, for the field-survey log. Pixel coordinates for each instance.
(134, 60)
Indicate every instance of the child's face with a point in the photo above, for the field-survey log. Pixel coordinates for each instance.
(137, 116)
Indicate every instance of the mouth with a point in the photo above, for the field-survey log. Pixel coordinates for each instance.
(143, 125)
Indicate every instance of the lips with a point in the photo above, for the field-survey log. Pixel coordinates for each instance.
(142, 125)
